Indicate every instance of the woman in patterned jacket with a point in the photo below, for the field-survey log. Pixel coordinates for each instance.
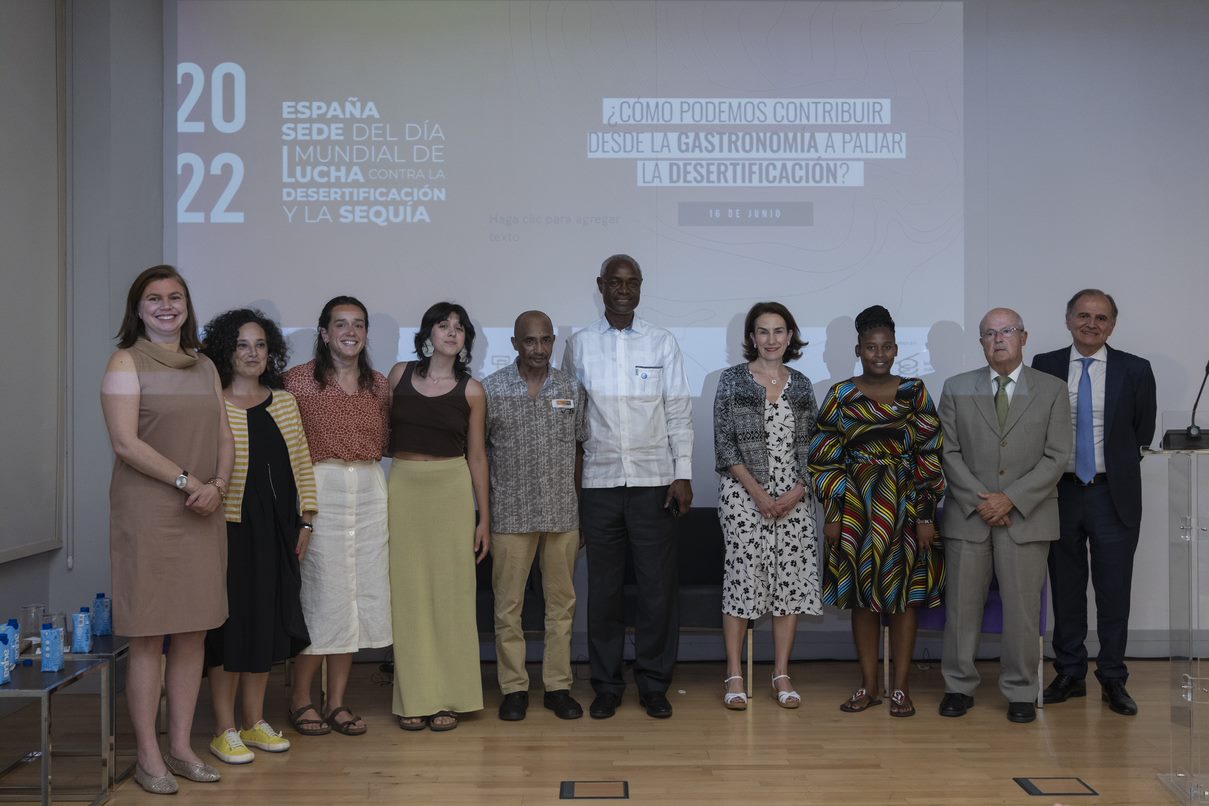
(763, 420)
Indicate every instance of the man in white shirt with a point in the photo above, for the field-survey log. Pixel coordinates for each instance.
(1099, 497)
(637, 473)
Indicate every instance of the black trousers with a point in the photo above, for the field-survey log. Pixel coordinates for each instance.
(1089, 525)
(614, 520)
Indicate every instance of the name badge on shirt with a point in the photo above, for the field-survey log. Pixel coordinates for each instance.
(647, 373)
(562, 403)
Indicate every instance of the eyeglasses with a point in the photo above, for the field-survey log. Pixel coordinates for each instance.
(1006, 332)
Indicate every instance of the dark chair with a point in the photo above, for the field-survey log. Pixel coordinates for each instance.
(701, 553)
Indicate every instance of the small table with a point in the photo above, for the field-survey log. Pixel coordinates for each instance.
(112, 648)
(30, 682)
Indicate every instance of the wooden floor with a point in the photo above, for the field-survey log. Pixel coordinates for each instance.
(704, 754)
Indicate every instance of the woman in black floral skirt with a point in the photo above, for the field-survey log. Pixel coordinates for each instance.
(764, 415)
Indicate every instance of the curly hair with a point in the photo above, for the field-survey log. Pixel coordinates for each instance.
(871, 318)
(432, 317)
(222, 336)
(793, 350)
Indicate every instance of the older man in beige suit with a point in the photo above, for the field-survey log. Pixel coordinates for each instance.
(1008, 437)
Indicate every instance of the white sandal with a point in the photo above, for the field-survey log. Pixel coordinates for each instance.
(734, 700)
(785, 699)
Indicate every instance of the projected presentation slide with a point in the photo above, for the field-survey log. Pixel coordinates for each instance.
(494, 153)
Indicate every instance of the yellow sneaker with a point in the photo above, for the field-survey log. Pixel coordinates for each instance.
(230, 748)
(263, 737)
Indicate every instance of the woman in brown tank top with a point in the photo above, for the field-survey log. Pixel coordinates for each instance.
(438, 440)
(164, 411)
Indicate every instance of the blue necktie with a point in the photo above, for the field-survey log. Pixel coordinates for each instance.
(1085, 435)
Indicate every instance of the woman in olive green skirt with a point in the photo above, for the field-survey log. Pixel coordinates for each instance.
(438, 421)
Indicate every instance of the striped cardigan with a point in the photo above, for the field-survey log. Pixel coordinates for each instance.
(284, 411)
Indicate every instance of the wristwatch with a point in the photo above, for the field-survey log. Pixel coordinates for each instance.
(182, 481)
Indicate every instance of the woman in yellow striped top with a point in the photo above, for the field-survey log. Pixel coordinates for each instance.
(270, 503)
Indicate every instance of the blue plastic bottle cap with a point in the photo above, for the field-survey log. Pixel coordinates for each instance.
(3, 638)
(83, 609)
(27, 661)
(101, 595)
(46, 626)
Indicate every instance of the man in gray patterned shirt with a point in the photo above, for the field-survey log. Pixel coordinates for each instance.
(535, 417)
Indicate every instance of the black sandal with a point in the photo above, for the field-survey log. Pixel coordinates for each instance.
(308, 727)
(347, 727)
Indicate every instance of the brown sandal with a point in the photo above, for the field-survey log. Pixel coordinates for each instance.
(451, 721)
(413, 723)
(348, 727)
(308, 727)
(900, 704)
(859, 701)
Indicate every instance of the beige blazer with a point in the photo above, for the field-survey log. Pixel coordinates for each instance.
(1023, 460)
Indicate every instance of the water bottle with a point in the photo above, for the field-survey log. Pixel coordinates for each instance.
(13, 630)
(102, 615)
(6, 659)
(52, 647)
(81, 631)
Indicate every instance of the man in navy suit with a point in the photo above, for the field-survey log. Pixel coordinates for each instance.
(1113, 409)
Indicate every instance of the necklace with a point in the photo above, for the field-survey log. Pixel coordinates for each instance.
(772, 378)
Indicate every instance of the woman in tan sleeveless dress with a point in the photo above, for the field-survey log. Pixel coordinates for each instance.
(163, 408)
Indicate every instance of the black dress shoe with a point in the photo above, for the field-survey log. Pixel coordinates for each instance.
(1113, 692)
(563, 704)
(605, 705)
(514, 705)
(656, 704)
(956, 704)
(1063, 688)
(1021, 712)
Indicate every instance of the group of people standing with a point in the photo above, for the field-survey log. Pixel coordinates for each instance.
(321, 556)
(1023, 470)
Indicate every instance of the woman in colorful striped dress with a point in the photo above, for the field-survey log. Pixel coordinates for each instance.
(875, 460)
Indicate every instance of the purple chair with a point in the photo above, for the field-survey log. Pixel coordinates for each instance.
(992, 622)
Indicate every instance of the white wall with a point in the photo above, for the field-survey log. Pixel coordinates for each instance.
(115, 130)
(29, 309)
(1086, 166)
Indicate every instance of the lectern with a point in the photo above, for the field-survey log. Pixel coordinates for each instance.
(1188, 538)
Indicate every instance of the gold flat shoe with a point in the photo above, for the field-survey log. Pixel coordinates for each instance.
(198, 771)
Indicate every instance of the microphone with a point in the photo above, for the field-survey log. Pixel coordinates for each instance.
(1191, 438)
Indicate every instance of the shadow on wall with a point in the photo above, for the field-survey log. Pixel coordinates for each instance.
(703, 407)
(946, 354)
(386, 342)
(838, 354)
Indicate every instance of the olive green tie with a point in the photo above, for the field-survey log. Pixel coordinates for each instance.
(1001, 399)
